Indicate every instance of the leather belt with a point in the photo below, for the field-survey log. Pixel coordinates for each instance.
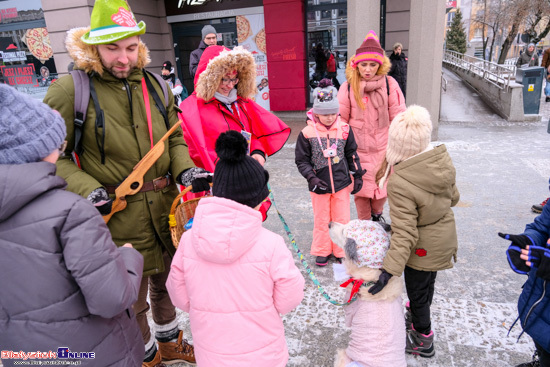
(156, 185)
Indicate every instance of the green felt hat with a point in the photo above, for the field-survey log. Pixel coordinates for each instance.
(112, 20)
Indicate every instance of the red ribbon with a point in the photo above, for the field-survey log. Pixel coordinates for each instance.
(356, 286)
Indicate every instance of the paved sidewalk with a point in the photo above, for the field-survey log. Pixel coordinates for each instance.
(502, 169)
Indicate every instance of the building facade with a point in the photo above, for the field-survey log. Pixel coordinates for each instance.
(278, 32)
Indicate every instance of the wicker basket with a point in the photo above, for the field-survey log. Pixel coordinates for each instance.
(180, 213)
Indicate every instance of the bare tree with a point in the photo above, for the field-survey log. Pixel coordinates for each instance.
(537, 21)
(515, 12)
(489, 19)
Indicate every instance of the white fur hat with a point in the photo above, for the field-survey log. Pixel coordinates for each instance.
(370, 243)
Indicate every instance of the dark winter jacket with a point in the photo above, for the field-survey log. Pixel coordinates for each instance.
(321, 59)
(527, 58)
(534, 301)
(195, 58)
(545, 63)
(127, 141)
(421, 192)
(310, 159)
(399, 70)
(64, 282)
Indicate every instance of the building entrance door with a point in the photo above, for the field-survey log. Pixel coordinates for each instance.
(187, 37)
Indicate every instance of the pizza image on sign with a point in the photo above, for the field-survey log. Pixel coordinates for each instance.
(243, 28)
(38, 42)
(260, 40)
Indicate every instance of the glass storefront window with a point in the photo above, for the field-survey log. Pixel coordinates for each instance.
(343, 36)
(326, 14)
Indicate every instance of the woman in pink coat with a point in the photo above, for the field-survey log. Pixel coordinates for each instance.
(230, 274)
(369, 101)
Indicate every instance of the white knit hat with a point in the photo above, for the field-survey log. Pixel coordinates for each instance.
(409, 134)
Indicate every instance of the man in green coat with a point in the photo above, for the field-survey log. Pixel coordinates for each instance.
(114, 57)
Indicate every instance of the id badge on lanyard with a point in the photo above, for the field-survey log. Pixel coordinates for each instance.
(248, 137)
(246, 134)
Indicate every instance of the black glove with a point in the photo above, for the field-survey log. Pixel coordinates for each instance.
(101, 200)
(317, 185)
(519, 242)
(198, 178)
(543, 271)
(357, 185)
(381, 283)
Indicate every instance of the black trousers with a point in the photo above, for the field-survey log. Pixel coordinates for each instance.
(420, 290)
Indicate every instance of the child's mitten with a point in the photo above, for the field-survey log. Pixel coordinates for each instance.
(317, 185)
(519, 242)
(357, 185)
(381, 283)
(543, 271)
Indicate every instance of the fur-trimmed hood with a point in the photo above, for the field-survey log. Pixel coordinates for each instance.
(86, 56)
(216, 61)
(391, 291)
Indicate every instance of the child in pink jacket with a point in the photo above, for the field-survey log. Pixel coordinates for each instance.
(230, 274)
(326, 156)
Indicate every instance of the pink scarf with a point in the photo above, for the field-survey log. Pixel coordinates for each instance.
(376, 93)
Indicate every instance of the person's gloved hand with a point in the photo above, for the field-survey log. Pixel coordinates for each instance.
(101, 200)
(381, 283)
(543, 270)
(519, 242)
(357, 185)
(317, 185)
(198, 178)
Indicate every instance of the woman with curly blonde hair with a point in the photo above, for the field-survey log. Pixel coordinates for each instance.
(369, 100)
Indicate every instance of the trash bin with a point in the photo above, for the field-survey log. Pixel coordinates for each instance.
(531, 78)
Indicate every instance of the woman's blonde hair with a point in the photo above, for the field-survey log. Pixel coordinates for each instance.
(381, 171)
(354, 78)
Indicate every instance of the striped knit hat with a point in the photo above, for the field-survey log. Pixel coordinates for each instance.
(370, 50)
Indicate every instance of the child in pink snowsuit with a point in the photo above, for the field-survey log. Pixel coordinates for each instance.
(230, 274)
(326, 156)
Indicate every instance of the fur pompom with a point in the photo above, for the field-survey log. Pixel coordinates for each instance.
(231, 146)
(325, 82)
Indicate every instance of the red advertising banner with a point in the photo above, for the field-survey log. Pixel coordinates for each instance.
(451, 4)
(8, 13)
(20, 75)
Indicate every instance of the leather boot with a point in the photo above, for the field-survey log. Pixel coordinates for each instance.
(156, 362)
(181, 351)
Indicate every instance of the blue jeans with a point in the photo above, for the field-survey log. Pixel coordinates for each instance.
(547, 86)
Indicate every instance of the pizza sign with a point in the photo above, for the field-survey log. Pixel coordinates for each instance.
(38, 42)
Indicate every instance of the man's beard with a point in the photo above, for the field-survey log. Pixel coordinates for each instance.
(119, 74)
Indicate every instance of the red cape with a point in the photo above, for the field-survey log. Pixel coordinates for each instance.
(204, 121)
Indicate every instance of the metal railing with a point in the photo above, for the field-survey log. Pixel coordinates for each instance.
(496, 74)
